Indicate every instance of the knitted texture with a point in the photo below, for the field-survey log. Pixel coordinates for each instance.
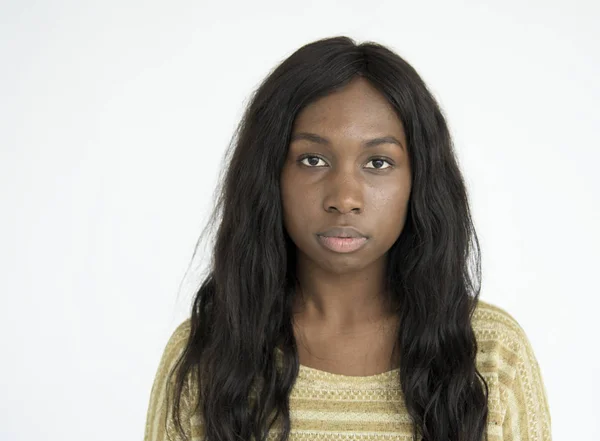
(325, 406)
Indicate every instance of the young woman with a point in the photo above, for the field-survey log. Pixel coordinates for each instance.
(342, 301)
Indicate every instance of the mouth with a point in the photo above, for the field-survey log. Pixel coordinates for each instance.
(343, 232)
(342, 244)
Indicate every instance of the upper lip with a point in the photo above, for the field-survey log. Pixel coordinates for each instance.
(341, 232)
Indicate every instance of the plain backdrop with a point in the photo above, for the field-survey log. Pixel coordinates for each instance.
(114, 118)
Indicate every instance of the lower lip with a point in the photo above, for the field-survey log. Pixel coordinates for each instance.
(342, 244)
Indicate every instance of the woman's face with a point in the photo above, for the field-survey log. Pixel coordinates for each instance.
(333, 177)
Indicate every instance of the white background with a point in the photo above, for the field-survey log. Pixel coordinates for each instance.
(114, 117)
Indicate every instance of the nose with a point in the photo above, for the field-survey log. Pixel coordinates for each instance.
(343, 193)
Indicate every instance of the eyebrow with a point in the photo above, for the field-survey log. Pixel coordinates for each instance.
(321, 140)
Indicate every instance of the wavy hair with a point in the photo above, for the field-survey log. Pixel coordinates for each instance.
(243, 308)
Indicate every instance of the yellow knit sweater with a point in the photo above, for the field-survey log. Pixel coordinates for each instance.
(326, 406)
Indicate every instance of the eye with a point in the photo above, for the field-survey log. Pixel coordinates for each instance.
(313, 157)
(379, 160)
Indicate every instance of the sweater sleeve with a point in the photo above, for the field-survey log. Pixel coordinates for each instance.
(159, 419)
(527, 411)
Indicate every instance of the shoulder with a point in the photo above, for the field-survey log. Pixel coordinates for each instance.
(180, 335)
(158, 425)
(177, 340)
(518, 399)
(503, 347)
(493, 323)
(172, 352)
(505, 352)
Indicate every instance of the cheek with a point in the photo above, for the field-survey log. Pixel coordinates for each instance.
(298, 197)
(298, 210)
(295, 209)
(390, 208)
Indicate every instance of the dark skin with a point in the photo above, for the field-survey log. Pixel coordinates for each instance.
(341, 321)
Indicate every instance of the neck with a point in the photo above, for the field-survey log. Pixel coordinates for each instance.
(351, 301)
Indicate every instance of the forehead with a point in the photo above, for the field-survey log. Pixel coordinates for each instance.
(358, 106)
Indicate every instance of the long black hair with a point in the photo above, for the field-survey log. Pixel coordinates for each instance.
(243, 308)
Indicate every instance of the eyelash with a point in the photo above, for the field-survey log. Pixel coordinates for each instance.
(302, 158)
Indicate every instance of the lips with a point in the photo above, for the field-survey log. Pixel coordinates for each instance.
(347, 232)
(342, 244)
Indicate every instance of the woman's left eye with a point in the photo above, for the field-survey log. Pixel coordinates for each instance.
(380, 160)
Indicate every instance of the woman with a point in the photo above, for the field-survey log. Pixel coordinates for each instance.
(342, 300)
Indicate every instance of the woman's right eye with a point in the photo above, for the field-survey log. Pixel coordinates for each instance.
(314, 161)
